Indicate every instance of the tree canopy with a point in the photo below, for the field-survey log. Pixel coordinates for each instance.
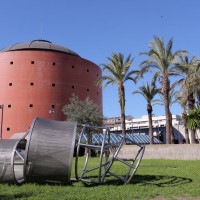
(193, 119)
(83, 111)
(119, 72)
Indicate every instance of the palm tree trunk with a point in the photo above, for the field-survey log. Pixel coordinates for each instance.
(149, 111)
(191, 106)
(172, 130)
(185, 128)
(165, 92)
(121, 91)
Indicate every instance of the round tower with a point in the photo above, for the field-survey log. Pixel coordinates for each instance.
(37, 80)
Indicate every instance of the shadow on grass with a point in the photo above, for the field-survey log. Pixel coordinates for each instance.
(143, 180)
(159, 181)
(15, 196)
(147, 180)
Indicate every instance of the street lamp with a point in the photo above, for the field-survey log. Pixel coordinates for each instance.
(52, 111)
(1, 107)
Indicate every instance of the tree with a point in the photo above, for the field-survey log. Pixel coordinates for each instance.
(83, 111)
(183, 102)
(161, 59)
(193, 119)
(118, 69)
(149, 91)
(189, 70)
(172, 100)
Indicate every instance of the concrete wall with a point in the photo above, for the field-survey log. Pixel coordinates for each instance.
(164, 151)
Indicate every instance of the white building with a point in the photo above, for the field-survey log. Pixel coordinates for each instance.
(140, 126)
(143, 122)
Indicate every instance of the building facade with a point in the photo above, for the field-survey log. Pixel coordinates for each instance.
(37, 80)
(140, 126)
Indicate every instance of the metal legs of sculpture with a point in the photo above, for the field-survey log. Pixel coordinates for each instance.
(45, 154)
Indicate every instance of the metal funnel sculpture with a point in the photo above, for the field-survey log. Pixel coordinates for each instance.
(45, 154)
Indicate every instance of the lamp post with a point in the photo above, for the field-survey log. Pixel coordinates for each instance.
(52, 111)
(1, 107)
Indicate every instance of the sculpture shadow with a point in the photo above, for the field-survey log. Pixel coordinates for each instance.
(160, 181)
(147, 180)
(15, 196)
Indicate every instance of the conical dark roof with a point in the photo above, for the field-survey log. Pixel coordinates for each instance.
(39, 45)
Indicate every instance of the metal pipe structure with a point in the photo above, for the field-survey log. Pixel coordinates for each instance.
(45, 154)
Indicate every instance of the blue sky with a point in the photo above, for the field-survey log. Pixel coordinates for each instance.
(96, 28)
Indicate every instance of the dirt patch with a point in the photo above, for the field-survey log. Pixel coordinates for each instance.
(176, 198)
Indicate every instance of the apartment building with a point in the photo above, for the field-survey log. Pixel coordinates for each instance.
(140, 126)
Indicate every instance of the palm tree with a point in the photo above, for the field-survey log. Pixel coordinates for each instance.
(193, 119)
(118, 68)
(149, 91)
(172, 100)
(161, 59)
(182, 100)
(189, 70)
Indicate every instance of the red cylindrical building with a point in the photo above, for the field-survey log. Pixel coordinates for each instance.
(37, 80)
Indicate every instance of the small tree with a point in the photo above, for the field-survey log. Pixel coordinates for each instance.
(172, 100)
(161, 59)
(119, 72)
(193, 119)
(149, 91)
(83, 111)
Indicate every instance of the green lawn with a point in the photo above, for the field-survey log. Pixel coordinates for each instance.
(155, 179)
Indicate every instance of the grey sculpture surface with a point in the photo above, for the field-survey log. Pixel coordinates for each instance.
(50, 147)
(7, 154)
(45, 154)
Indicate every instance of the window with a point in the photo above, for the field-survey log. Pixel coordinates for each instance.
(9, 106)
(73, 87)
(53, 106)
(88, 90)
(73, 67)
(87, 70)
(54, 63)
(32, 62)
(11, 62)
(53, 84)
(31, 84)
(10, 84)
(8, 129)
(31, 105)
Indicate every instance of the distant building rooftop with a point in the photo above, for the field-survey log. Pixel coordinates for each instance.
(39, 45)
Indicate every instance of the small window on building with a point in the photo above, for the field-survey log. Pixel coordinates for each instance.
(11, 62)
(53, 84)
(8, 129)
(53, 106)
(73, 87)
(30, 105)
(32, 62)
(97, 74)
(88, 90)
(97, 93)
(73, 67)
(10, 84)
(88, 70)
(54, 63)
(31, 83)
(9, 106)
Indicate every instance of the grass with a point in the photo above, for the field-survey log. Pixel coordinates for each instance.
(155, 179)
